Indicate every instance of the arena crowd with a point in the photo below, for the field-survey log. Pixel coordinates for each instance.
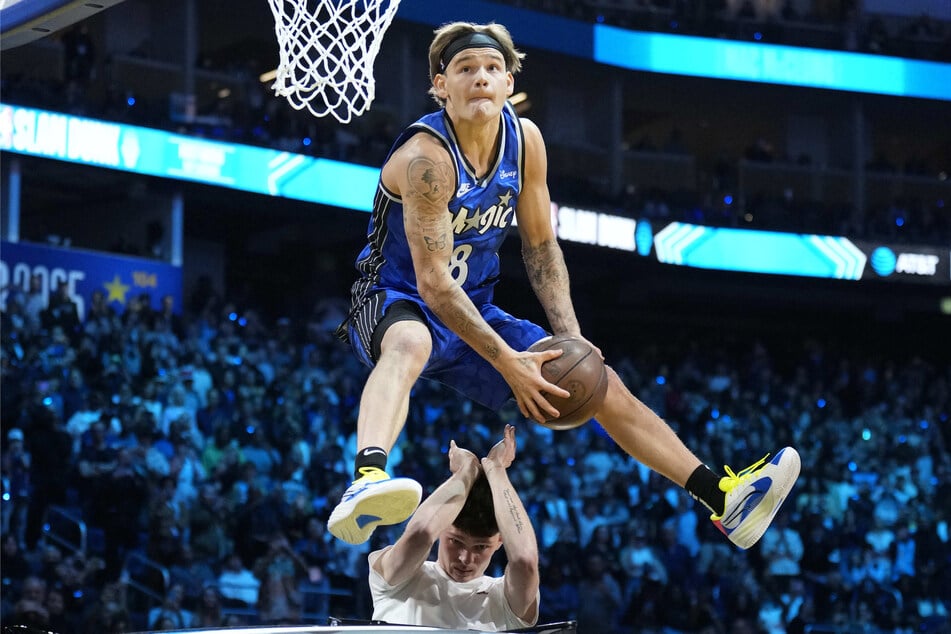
(212, 445)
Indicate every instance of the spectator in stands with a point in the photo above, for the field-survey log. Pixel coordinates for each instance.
(172, 613)
(237, 583)
(97, 461)
(110, 610)
(168, 520)
(210, 523)
(642, 568)
(194, 573)
(15, 464)
(62, 312)
(35, 303)
(782, 554)
(208, 613)
(280, 571)
(473, 514)
(560, 595)
(124, 500)
(600, 598)
(30, 609)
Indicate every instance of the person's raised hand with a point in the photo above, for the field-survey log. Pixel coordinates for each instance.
(461, 460)
(503, 453)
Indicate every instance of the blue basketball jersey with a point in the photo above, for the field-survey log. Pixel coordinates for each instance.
(482, 210)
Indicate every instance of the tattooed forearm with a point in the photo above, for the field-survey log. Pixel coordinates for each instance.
(518, 523)
(545, 266)
(548, 275)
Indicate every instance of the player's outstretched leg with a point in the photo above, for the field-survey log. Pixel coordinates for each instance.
(374, 499)
(754, 495)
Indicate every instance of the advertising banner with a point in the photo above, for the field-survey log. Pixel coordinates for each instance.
(120, 278)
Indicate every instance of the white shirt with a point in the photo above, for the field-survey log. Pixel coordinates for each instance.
(241, 585)
(432, 598)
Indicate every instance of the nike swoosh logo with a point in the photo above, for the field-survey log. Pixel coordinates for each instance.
(740, 509)
(370, 452)
(745, 507)
(363, 520)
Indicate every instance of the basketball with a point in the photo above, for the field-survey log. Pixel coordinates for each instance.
(581, 371)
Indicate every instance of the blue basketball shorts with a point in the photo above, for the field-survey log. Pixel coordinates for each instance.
(452, 362)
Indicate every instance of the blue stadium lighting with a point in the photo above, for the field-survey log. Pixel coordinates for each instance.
(728, 249)
(757, 36)
(130, 100)
(233, 316)
(306, 141)
(570, 462)
(902, 439)
(852, 466)
(676, 54)
(249, 429)
(714, 413)
(821, 403)
(924, 424)
(866, 434)
(728, 200)
(899, 222)
(47, 401)
(6, 497)
(140, 150)
(660, 379)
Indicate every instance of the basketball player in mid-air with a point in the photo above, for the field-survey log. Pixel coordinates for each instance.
(449, 190)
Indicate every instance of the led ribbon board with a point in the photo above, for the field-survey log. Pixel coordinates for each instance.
(771, 64)
(159, 153)
(804, 255)
(271, 172)
(698, 56)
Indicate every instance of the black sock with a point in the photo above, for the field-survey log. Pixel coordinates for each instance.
(369, 457)
(704, 485)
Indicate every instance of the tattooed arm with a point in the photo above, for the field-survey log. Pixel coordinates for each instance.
(421, 173)
(541, 253)
(518, 535)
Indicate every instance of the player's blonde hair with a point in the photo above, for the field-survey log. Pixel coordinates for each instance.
(448, 33)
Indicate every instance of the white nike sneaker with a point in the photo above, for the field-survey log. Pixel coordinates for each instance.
(754, 495)
(372, 500)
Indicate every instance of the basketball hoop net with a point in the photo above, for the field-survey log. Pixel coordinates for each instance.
(327, 51)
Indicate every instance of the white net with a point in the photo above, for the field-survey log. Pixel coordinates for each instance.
(327, 51)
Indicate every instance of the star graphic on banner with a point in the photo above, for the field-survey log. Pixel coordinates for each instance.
(117, 290)
(504, 200)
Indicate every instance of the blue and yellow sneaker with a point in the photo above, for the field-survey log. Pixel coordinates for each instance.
(372, 500)
(754, 495)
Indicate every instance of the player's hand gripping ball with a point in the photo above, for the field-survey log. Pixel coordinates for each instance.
(579, 370)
